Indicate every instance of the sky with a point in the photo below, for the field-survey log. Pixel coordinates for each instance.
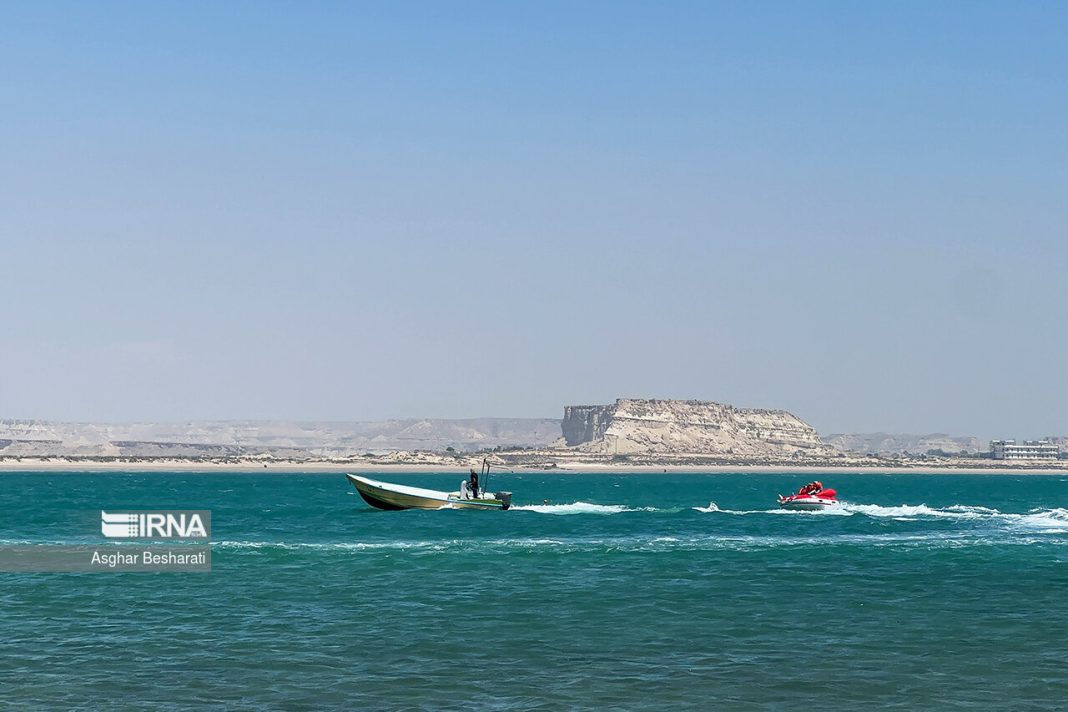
(353, 211)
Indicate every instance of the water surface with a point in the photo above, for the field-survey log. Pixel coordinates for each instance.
(624, 592)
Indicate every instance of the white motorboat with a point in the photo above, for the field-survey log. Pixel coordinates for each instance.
(386, 495)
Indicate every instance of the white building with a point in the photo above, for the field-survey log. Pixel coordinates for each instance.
(1027, 450)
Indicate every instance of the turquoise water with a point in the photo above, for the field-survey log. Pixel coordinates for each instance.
(626, 592)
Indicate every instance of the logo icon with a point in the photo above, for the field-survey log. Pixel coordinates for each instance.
(172, 524)
(119, 526)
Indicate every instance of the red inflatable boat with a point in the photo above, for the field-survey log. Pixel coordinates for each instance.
(810, 502)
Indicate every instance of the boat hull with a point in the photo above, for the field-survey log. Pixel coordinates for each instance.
(385, 495)
(807, 504)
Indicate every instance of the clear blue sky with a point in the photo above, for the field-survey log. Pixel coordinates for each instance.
(855, 211)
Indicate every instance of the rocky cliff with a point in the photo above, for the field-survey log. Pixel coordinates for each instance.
(633, 426)
(585, 423)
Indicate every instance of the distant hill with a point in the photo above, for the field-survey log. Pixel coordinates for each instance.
(27, 438)
(627, 427)
(896, 444)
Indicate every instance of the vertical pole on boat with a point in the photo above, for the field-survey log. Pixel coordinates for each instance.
(484, 479)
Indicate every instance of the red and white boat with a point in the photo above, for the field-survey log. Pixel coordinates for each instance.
(811, 502)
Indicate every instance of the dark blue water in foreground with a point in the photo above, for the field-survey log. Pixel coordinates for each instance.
(627, 592)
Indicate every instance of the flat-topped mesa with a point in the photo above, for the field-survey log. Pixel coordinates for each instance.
(647, 426)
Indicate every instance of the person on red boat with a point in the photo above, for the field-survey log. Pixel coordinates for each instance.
(810, 489)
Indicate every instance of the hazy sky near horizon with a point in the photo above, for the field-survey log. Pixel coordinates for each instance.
(854, 211)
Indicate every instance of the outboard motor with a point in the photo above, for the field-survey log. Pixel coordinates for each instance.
(505, 497)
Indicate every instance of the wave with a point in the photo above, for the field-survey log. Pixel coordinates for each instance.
(645, 543)
(1011, 528)
(585, 508)
(1049, 521)
(909, 511)
(337, 545)
(442, 545)
(714, 508)
(917, 511)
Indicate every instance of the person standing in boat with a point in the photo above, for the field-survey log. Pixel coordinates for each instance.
(474, 484)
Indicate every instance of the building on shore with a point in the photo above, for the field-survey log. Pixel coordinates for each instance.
(1027, 450)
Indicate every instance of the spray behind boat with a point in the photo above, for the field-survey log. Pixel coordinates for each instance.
(504, 497)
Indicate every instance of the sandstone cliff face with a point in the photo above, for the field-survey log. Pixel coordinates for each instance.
(633, 426)
(584, 423)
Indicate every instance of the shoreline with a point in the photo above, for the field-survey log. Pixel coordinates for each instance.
(577, 468)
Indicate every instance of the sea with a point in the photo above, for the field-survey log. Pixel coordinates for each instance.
(606, 591)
